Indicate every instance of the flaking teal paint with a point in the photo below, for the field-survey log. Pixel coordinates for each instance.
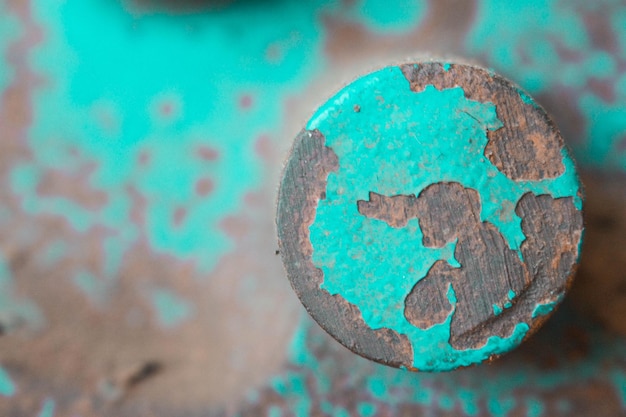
(479, 390)
(109, 84)
(546, 308)
(400, 142)
(500, 32)
(521, 39)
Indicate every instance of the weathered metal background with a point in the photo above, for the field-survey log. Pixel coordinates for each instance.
(141, 143)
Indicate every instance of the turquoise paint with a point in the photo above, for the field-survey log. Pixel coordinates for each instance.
(7, 386)
(171, 309)
(366, 409)
(508, 304)
(329, 409)
(377, 387)
(520, 39)
(293, 385)
(534, 407)
(111, 113)
(607, 124)
(274, 412)
(47, 410)
(446, 402)
(446, 66)
(618, 20)
(341, 412)
(378, 376)
(477, 391)
(497, 310)
(546, 308)
(399, 143)
(620, 85)
(469, 402)
(619, 382)
(379, 17)
(326, 407)
(500, 407)
(511, 294)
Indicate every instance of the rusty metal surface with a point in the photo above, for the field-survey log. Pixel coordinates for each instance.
(140, 153)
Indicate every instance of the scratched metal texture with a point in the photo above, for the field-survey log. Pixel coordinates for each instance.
(141, 144)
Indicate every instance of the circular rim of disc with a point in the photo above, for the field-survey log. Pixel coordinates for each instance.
(303, 186)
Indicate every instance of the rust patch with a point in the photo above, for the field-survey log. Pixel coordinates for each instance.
(528, 146)
(303, 185)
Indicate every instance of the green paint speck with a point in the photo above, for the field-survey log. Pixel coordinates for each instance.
(546, 308)
(7, 387)
(378, 16)
(377, 387)
(500, 407)
(619, 382)
(446, 402)
(469, 402)
(170, 308)
(47, 410)
(274, 411)
(535, 407)
(366, 409)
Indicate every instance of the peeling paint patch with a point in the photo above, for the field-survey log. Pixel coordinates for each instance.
(497, 390)
(399, 144)
(528, 40)
(167, 106)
